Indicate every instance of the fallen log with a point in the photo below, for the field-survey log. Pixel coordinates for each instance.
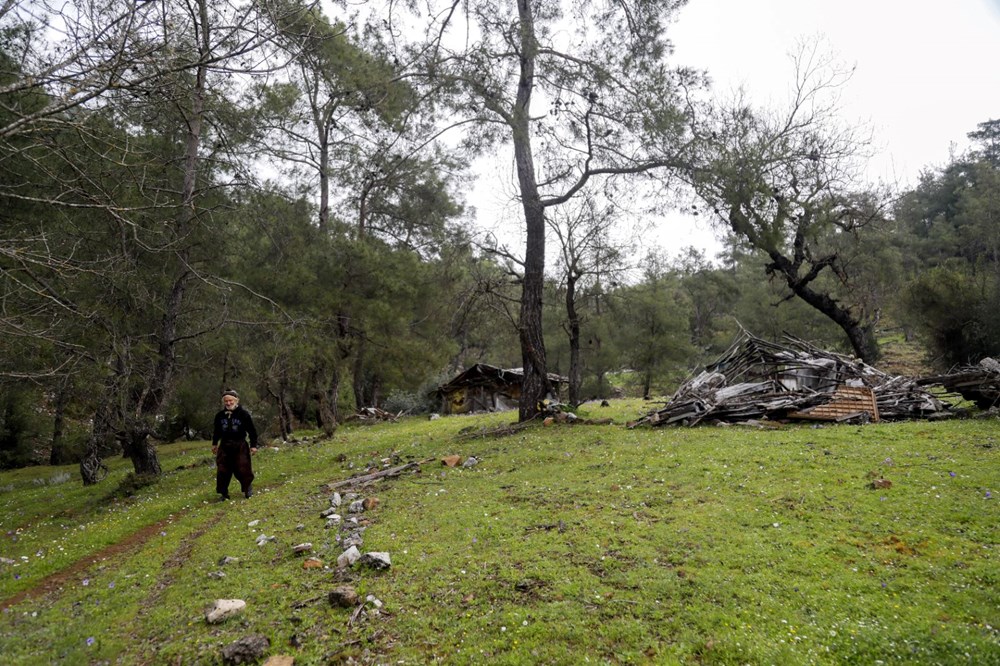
(374, 476)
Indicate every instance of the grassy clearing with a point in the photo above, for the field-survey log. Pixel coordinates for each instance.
(565, 545)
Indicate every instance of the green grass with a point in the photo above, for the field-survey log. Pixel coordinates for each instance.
(565, 545)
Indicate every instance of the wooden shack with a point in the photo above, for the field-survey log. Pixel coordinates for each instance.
(486, 388)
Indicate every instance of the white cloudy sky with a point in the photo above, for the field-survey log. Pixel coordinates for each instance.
(927, 71)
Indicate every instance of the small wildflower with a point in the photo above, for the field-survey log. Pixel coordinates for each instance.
(111, 585)
(988, 495)
(90, 641)
(86, 582)
(951, 474)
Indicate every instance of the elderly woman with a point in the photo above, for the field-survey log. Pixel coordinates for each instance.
(233, 425)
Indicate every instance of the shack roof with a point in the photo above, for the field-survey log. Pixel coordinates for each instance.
(482, 374)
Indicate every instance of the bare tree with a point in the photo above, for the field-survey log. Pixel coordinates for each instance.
(588, 254)
(789, 184)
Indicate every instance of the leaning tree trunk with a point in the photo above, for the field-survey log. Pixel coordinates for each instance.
(861, 336)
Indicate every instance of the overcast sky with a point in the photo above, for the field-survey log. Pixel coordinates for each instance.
(927, 71)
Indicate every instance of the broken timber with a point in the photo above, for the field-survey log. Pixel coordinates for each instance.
(756, 379)
(374, 476)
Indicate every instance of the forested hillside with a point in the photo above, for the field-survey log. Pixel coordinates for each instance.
(271, 197)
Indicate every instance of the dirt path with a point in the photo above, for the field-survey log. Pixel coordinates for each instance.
(56, 581)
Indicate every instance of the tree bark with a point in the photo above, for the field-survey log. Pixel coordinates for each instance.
(535, 383)
(573, 324)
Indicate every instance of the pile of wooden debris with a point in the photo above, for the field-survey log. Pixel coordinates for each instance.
(978, 383)
(759, 380)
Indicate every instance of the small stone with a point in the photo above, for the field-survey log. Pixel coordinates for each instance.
(224, 609)
(348, 557)
(376, 560)
(280, 660)
(374, 601)
(216, 575)
(302, 547)
(247, 650)
(312, 563)
(333, 521)
(357, 506)
(253, 523)
(335, 500)
(228, 560)
(325, 513)
(299, 527)
(451, 461)
(471, 461)
(434, 417)
(344, 596)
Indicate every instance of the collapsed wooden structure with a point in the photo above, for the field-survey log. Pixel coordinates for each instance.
(760, 380)
(978, 383)
(486, 388)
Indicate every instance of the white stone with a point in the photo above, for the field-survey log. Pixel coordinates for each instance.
(224, 609)
(253, 523)
(302, 547)
(348, 557)
(376, 560)
(333, 521)
(357, 506)
(335, 499)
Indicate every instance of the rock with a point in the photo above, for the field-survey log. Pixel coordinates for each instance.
(228, 560)
(326, 513)
(344, 596)
(471, 461)
(333, 520)
(299, 527)
(451, 461)
(376, 560)
(374, 601)
(263, 538)
(357, 506)
(348, 557)
(223, 609)
(253, 523)
(335, 500)
(302, 547)
(247, 650)
(881, 484)
(312, 563)
(370, 503)
(434, 417)
(280, 660)
(216, 574)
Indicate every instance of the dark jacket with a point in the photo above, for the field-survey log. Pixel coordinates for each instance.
(234, 426)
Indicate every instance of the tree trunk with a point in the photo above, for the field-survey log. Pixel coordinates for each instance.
(58, 421)
(861, 336)
(358, 374)
(141, 451)
(535, 383)
(573, 317)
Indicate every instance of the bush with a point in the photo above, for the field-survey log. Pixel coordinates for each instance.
(22, 429)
